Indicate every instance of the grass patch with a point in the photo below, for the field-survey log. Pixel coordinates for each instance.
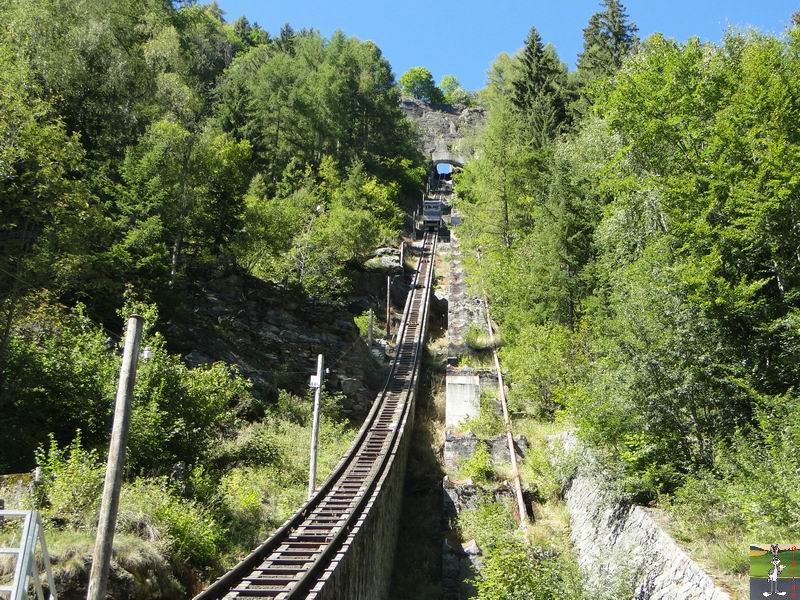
(140, 569)
(477, 339)
(538, 467)
(488, 423)
(477, 360)
(713, 535)
(513, 566)
(477, 467)
(362, 322)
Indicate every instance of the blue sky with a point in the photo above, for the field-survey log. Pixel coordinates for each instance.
(462, 37)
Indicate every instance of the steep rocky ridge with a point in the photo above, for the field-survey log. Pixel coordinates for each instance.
(615, 539)
(442, 127)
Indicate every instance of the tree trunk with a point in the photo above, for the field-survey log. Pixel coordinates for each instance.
(176, 252)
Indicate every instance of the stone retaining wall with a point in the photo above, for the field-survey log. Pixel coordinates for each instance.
(362, 569)
(366, 560)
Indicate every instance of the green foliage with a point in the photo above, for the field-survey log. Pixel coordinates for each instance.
(243, 502)
(516, 571)
(495, 190)
(489, 523)
(512, 569)
(477, 339)
(279, 482)
(607, 41)
(418, 83)
(134, 132)
(185, 529)
(311, 237)
(186, 195)
(642, 267)
(362, 322)
(315, 98)
(478, 466)
(546, 367)
(538, 89)
(254, 445)
(44, 213)
(489, 422)
(71, 482)
(177, 411)
(145, 144)
(59, 376)
(745, 495)
(453, 92)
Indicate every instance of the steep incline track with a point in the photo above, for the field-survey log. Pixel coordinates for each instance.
(294, 562)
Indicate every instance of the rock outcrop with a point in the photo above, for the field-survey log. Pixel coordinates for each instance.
(272, 336)
(616, 541)
(442, 127)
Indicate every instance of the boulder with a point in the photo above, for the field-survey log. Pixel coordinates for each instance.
(498, 448)
(272, 335)
(460, 496)
(385, 263)
(459, 447)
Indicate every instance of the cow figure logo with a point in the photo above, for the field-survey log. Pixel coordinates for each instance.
(777, 567)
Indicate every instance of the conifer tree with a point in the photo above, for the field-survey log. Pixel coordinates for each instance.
(607, 40)
(537, 89)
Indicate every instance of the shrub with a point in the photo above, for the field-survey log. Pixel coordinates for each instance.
(488, 423)
(545, 364)
(72, 480)
(479, 465)
(254, 445)
(362, 322)
(151, 510)
(58, 376)
(513, 570)
(298, 410)
(488, 523)
(244, 504)
(178, 411)
(477, 339)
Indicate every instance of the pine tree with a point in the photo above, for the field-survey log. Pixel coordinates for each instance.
(537, 90)
(607, 40)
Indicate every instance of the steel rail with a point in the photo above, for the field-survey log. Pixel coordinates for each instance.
(336, 506)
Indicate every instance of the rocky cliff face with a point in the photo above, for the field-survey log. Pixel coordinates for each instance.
(272, 336)
(442, 127)
(616, 541)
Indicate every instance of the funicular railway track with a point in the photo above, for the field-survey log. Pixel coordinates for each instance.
(298, 558)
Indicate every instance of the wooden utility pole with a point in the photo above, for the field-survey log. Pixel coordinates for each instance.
(369, 329)
(316, 385)
(101, 561)
(388, 307)
(523, 512)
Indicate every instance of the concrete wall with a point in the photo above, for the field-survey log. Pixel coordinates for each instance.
(463, 393)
